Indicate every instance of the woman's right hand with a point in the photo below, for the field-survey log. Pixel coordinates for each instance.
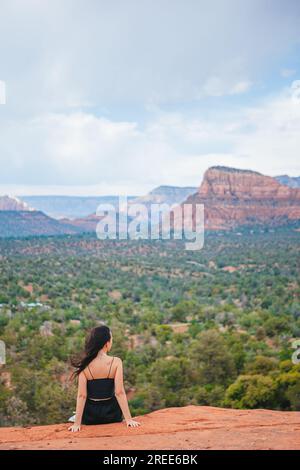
(131, 423)
(74, 428)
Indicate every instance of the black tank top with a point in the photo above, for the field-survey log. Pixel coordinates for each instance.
(99, 389)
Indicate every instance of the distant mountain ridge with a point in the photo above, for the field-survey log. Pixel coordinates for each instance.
(80, 207)
(32, 223)
(170, 195)
(19, 219)
(166, 194)
(70, 207)
(291, 181)
(232, 198)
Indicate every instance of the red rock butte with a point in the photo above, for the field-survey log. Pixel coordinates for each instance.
(190, 427)
(234, 198)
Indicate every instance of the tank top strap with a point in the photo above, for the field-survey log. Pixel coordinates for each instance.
(110, 367)
(90, 372)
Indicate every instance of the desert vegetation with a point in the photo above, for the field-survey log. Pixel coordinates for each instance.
(214, 327)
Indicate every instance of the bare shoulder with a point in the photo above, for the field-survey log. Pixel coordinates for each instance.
(82, 376)
(118, 361)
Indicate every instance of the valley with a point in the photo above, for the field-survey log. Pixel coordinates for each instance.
(214, 327)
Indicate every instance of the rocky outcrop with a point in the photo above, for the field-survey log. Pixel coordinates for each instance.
(190, 427)
(234, 198)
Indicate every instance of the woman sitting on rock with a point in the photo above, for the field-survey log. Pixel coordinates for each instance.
(101, 397)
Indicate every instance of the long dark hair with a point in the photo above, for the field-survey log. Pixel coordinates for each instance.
(95, 341)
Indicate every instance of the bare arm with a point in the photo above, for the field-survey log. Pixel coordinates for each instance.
(81, 399)
(121, 396)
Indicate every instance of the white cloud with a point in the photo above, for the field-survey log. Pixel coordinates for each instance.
(215, 86)
(287, 73)
(240, 87)
(295, 90)
(137, 52)
(2, 92)
(273, 141)
(83, 150)
(102, 97)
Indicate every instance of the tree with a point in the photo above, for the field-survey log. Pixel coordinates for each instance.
(262, 365)
(251, 391)
(293, 395)
(211, 360)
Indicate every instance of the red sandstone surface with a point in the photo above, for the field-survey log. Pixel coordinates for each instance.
(190, 427)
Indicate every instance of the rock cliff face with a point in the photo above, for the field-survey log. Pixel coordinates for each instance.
(190, 427)
(234, 198)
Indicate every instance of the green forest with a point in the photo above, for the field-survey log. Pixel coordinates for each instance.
(212, 327)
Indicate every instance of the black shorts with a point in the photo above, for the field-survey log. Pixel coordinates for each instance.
(102, 412)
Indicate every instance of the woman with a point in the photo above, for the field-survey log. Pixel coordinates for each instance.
(101, 396)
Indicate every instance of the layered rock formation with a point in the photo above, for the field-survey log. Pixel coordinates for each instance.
(190, 427)
(234, 198)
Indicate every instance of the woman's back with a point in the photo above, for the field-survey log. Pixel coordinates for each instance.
(100, 375)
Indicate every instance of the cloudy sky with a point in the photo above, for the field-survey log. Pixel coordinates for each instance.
(121, 96)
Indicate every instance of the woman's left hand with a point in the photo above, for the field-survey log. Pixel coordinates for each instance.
(74, 428)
